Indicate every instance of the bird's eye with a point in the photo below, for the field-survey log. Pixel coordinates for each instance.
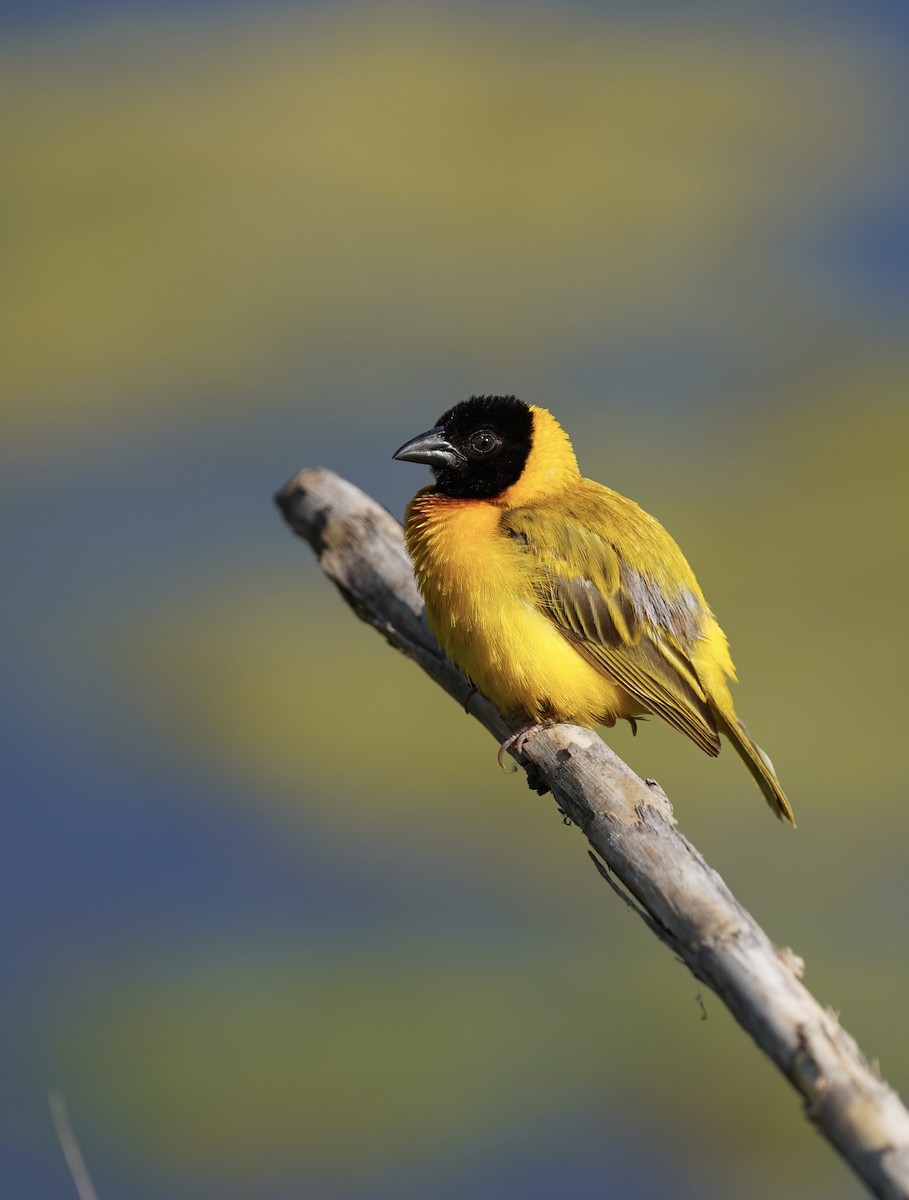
(484, 441)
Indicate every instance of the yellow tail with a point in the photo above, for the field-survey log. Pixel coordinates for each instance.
(760, 767)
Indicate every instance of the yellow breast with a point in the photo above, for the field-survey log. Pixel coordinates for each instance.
(480, 603)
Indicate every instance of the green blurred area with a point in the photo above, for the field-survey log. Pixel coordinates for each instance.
(212, 223)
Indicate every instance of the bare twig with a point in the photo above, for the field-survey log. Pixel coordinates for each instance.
(632, 831)
(70, 1147)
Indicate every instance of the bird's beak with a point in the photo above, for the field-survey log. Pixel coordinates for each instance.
(432, 448)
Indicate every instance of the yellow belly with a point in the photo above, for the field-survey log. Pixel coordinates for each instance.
(478, 589)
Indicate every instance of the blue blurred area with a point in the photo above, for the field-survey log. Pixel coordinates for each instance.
(880, 16)
(266, 915)
(873, 254)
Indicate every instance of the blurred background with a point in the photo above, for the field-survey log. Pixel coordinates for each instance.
(272, 920)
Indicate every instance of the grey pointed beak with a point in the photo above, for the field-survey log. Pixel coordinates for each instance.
(432, 448)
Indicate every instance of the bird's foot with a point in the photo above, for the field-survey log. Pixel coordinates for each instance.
(518, 741)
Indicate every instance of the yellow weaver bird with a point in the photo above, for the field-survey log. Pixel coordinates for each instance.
(560, 599)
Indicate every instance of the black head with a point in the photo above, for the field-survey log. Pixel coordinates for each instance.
(476, 449)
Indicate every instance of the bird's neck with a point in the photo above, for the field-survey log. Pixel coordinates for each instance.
(551, 466)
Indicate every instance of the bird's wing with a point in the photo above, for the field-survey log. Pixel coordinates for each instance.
(620, 620)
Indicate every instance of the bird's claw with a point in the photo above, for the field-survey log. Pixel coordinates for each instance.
(518, 741)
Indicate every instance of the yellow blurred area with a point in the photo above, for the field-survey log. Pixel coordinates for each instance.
(371, 1057)
(194, 216)
(395, 1053)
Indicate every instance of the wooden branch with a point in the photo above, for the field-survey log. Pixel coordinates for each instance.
(629, 824)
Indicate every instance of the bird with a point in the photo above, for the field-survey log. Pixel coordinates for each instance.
(558, 598)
